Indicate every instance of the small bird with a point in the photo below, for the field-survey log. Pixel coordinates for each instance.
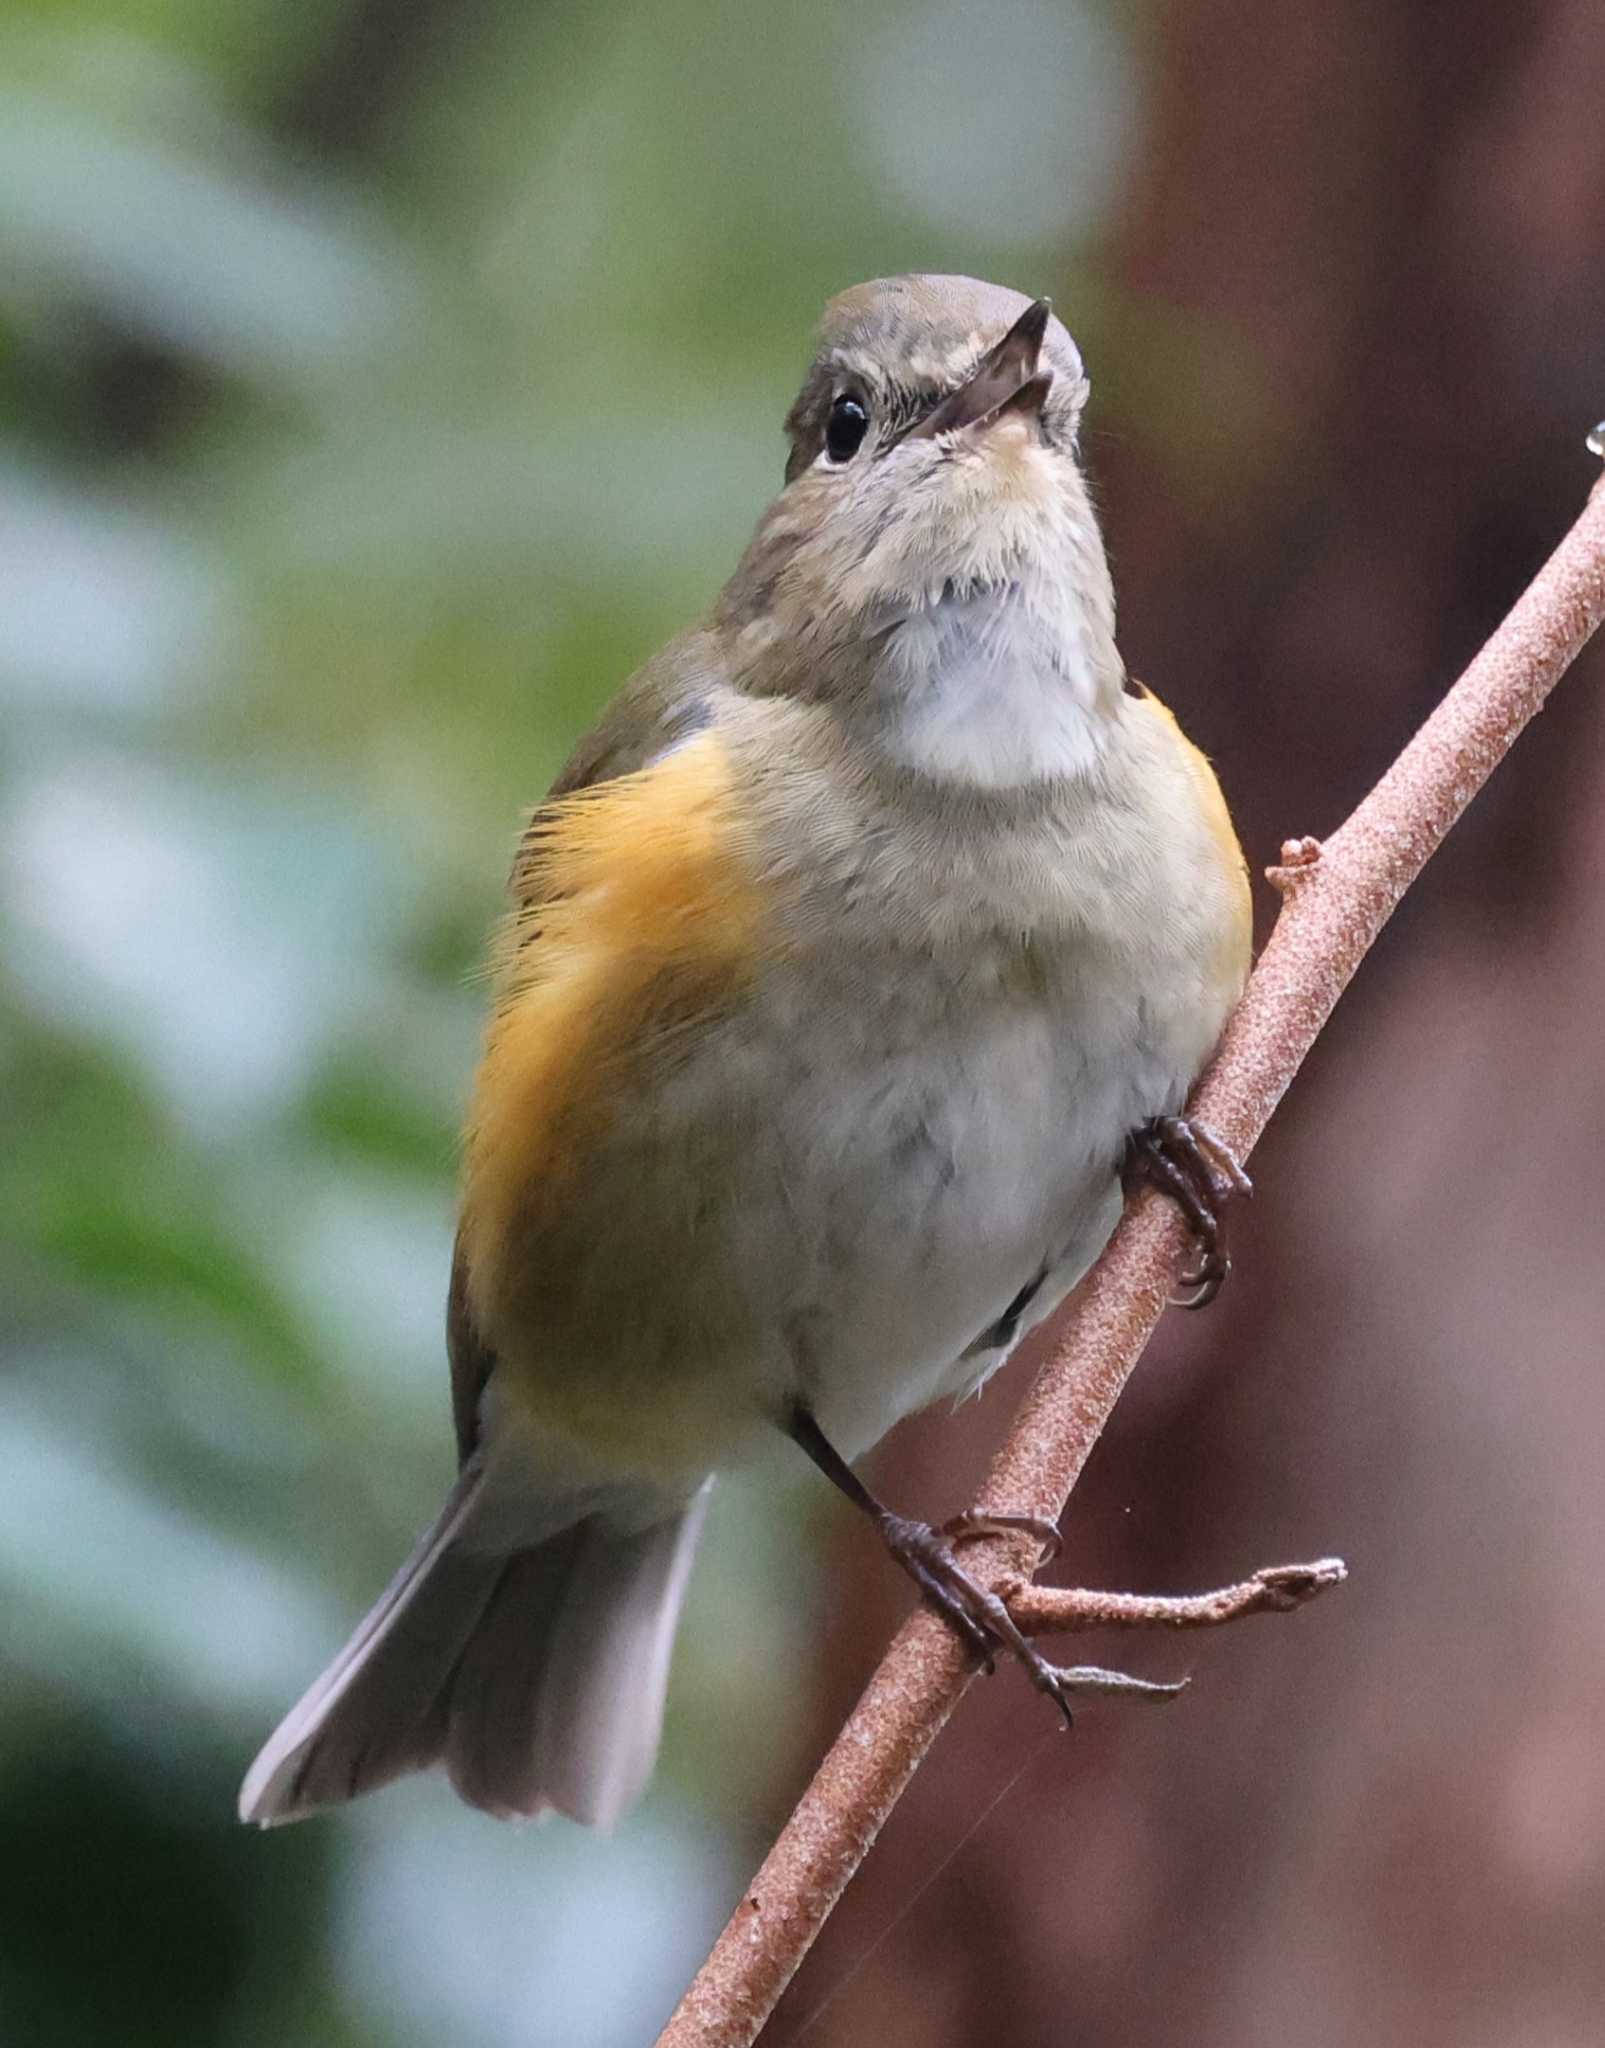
(870, 940)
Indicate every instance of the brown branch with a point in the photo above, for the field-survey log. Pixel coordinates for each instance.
(1070, 1610)
(1336, 899)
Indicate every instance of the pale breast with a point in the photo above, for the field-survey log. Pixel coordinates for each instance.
(1013, 987)
(990, 691)
(961, 1147)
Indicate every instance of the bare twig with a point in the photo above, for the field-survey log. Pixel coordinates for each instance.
(1336, 899)
(1069, 1610)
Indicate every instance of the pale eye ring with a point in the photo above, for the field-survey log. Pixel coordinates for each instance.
(845, 427)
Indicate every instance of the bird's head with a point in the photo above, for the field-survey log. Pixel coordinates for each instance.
(933, 469)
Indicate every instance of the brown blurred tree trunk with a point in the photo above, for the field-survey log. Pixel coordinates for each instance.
(1361, 346)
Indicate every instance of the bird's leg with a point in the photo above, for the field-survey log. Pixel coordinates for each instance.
(1199, 1171)
(975, 1613)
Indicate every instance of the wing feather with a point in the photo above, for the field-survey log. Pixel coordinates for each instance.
(635, 915)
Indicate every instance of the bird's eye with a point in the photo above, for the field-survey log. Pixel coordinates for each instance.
(846, 428)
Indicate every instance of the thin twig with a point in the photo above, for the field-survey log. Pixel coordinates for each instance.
(1070, 1610)
(1336, 899)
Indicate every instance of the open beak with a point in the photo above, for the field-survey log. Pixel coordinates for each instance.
(1005, 380)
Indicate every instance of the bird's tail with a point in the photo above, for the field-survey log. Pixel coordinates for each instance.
(535, 1675)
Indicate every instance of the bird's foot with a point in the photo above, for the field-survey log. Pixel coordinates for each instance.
(980, 1618)
(1199, 1171)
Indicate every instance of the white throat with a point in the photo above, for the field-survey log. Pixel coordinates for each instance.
(999, 688)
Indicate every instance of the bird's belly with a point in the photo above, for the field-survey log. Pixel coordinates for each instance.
(975, 1165)
(829, 1199)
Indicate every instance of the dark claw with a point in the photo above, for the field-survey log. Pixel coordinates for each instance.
(1048, 1681)
(1207, 1278)
(1204, 1287)
(982, 1620)
(919, 1549)
(1187, 1161)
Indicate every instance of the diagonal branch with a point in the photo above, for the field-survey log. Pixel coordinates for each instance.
(1336, 899)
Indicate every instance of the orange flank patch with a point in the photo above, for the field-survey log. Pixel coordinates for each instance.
(636, 915)
(1216, 815)
(1231, 964)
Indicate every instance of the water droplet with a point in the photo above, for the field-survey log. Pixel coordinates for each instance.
(1596, 440)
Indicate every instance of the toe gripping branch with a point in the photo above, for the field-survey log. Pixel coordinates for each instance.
(1199, 1171)
(1007, 1616)
(986, 1621)
(1004, 1618)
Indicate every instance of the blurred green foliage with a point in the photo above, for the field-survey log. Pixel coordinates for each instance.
(378, 384)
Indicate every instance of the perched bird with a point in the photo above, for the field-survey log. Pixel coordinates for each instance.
(875, 929)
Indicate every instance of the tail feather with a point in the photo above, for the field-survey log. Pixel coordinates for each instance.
(367, 1718)
(600, 1708)
(536, 1675)
(489, 1738)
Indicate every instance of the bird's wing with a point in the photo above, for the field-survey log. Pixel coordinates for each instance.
(623, 891)
(472, 1360)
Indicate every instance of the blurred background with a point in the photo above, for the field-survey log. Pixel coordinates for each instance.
(379, 382)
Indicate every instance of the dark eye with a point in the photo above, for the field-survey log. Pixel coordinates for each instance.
(846, 428)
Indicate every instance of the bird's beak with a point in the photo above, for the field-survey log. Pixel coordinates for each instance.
(1005, 380)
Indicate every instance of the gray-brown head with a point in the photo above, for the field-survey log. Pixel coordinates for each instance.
(898, 359)
(934, 522)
